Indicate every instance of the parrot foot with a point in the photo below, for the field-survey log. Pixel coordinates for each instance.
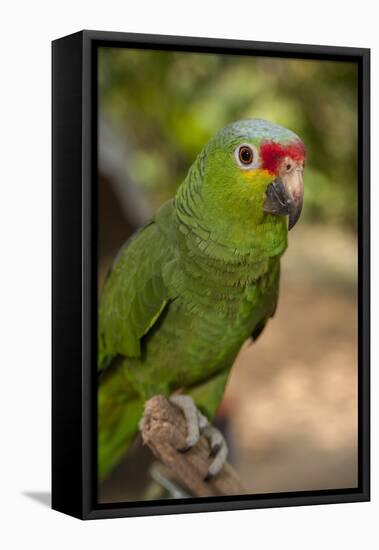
(190, 412)
(198, 424)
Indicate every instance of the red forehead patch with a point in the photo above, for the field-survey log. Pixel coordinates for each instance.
(272, 153)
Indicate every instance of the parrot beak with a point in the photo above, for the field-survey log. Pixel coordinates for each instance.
(284, 195)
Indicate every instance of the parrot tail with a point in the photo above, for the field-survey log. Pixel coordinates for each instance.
(118, 417)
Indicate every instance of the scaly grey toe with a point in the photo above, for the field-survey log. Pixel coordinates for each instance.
(188, 408)
(219, 449)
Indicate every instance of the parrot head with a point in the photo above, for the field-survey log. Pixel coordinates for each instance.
(252, 179)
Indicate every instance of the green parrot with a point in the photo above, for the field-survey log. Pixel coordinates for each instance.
(200, 278)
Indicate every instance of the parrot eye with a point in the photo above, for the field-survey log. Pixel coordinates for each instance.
(288, 165)
(246, 156)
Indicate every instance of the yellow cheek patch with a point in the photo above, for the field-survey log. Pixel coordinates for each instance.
(257, 176)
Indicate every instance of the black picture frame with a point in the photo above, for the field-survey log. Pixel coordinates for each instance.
(74, 205)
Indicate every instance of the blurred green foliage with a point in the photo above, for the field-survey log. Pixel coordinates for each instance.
(168, 104)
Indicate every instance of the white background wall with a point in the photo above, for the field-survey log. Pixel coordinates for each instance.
(26, 31)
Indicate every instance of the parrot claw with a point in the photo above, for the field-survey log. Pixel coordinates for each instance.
(198, 424)
(219, 450)
(188, 408)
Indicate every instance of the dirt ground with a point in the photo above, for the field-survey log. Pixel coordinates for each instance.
(291, 400)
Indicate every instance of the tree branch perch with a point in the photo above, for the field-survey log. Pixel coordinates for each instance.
(164, 430)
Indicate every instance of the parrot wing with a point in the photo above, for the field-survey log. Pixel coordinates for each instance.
(134, 295)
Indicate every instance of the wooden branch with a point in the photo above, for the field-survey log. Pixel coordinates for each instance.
(164, 430)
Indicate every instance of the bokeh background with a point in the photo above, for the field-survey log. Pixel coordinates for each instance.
(290, 408)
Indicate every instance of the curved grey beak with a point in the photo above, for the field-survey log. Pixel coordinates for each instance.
(284, 196)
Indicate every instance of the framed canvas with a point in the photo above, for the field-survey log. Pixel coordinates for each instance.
(210, 275)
